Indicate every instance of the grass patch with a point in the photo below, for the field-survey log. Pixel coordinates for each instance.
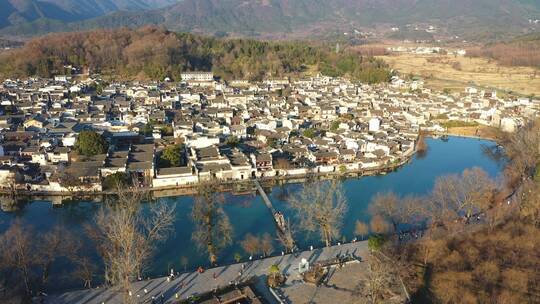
(482, 131)
(441, 117)
(458, 124)
(439, 73)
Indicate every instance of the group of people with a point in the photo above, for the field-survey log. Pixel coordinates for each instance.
(341, 259)
(159, 300)
(409, 235)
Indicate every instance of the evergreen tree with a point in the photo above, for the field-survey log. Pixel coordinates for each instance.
(90, 143)
(172, 156)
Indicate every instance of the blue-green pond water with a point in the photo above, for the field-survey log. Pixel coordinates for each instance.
(248, 214)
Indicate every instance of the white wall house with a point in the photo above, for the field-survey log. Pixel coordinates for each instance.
(172, 177)
(201, 141)
(374, 125)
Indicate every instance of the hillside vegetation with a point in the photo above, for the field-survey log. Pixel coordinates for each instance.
(499, 262)
(522, 51)
(480, 240)
(155, 53)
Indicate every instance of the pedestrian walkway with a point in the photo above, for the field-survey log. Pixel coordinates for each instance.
(279, 218)
(265, 198)
(193, 283)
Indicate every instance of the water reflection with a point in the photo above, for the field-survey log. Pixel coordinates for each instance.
(248, 213)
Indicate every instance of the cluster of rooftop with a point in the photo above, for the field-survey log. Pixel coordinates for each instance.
(230, 131)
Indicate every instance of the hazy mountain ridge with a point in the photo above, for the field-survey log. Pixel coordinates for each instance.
(23, 12)
(271, 16)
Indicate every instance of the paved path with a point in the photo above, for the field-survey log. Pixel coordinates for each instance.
(188, 284)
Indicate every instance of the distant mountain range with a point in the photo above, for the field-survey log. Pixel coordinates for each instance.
(21, 12)
(248, 17)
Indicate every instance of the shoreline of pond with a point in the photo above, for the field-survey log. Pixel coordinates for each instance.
(248, 213)
(234, 187)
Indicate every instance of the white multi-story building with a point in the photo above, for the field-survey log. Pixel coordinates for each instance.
(197, 76)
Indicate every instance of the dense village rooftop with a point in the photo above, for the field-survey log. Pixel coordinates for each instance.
(229, 131)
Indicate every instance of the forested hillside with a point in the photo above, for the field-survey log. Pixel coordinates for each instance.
(522, 51)
(155, 53)
(498, 262)
(481, 239)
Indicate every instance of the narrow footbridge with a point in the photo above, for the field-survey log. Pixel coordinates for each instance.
(264, 196)
(279, 218)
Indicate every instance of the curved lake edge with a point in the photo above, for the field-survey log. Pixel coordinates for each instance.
(225, 185)
(236, 187)
(249, 215)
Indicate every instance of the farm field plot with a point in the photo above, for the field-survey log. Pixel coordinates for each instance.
(455, 73)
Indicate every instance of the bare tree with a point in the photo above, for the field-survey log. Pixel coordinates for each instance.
(28, 257)
(500, 210)
(394, 209)
(267, 246)
(251, 244)
(412, 209)
(382, 282)
(361, 229)
(523, 150)
(387, 206)
(58, 242)
(529, 197)
(85, 271)
(379, 225)
(213, 231)
(126, 238)
(17, 252)
(320, 208)
(454, 196)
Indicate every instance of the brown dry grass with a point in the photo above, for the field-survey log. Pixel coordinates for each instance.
(479, 131)
(448, 71)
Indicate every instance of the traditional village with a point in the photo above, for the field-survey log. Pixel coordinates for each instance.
(230, 131)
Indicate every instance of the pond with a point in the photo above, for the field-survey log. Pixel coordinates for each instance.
(248, 214)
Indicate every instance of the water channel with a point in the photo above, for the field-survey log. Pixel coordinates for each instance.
(248, 214)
